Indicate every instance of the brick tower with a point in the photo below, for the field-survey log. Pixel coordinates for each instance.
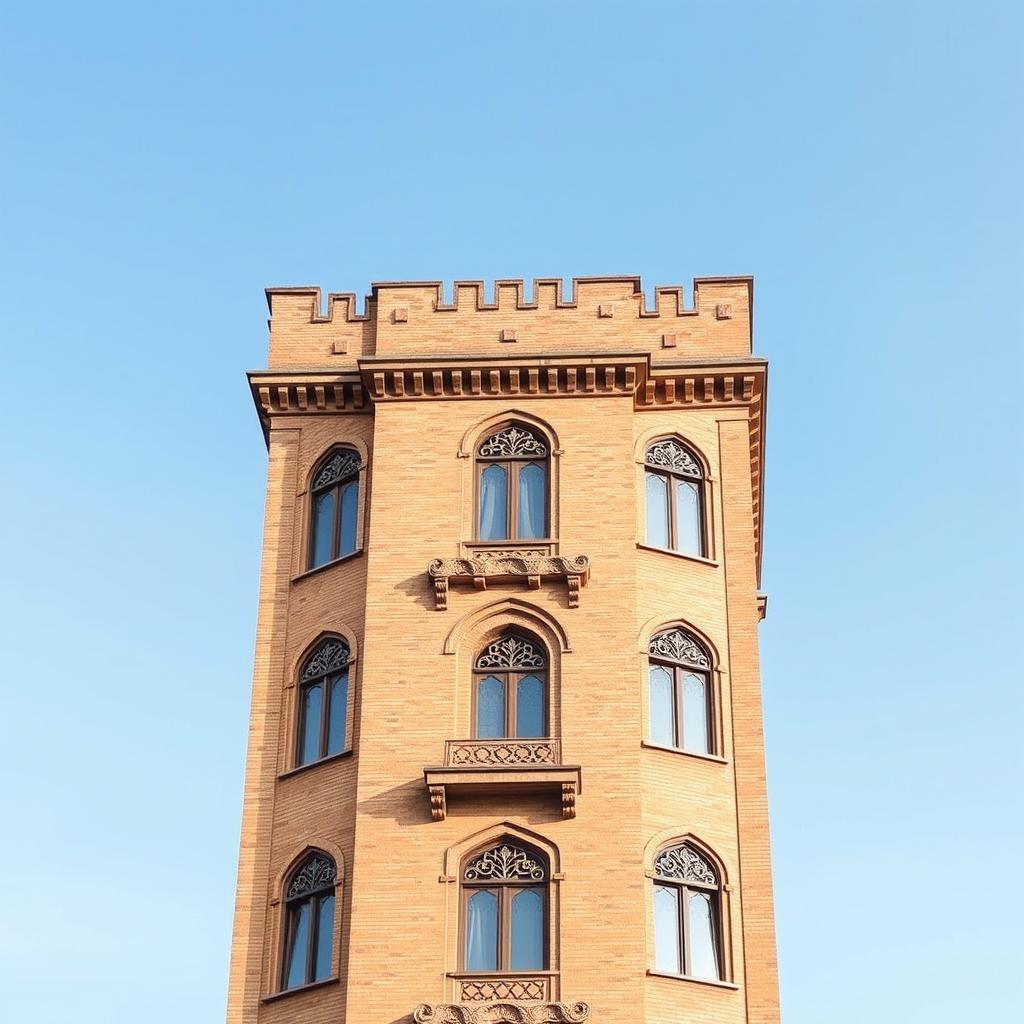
(505, 756)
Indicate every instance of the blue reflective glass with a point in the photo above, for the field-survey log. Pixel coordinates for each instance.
(494, 503)
(482, 932)
(688, 530)
(312, 707)
(657, 510)
(703, 961)
(695, 714)
(527, 953)
(349, 517)
(662, 716)
(666, 929)
(532, 500)
(490, 708)
(324, 939)
(530, 708)
(323, 528)
(298, 945)
(339, 713)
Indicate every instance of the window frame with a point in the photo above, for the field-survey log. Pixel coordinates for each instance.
(322, 678)
(351, 475)
(685, 888)
(315, 897)
(506, 890)
(510, 677)
(509, 463)
(674, 477)
(680, 668)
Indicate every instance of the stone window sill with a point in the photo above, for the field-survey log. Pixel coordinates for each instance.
(327, 565)
(299, 988)
(698, 981)
(679, 554)
(686, 753)
(315, 764)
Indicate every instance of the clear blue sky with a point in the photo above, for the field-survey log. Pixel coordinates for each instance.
(162, 164)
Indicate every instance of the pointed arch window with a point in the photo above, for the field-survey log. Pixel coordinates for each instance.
(309, 922)
(687, 914)
(505, 909)
(512, 485)
(675, 492)
(334, 507)
(681, 706)
(510, 689)
(323, 701)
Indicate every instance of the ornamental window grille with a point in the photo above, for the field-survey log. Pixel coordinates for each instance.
(505, 909)
(334, 507)
(681, 704)
(510, 689)
(687, 914)
(512, 485)
(309, 921)
(675, 487)
(323, 701)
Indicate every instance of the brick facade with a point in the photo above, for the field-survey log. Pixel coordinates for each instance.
(412, 384)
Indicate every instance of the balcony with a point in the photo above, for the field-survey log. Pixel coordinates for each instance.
(530, 566)
(476, 767)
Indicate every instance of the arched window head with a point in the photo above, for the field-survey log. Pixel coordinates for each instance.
(512, 485)
(687, 914)
(323, 701)
(681, 707)
(675, 488)
(505, 909)
(510, 689)
(334, 506)
(309, 921)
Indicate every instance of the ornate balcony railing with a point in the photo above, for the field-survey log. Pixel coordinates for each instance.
(472, 988)
(503, 765)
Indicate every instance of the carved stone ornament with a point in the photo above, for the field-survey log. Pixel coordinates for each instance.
(492, 989)
(500, 1012)
(504, 864)
(672, 455)
(684, 864)
(492, 753)
(316, 874)
(507, 566)
(675, 645)
(511, 652)
(513, 442)
(331, 656)
(341, 464)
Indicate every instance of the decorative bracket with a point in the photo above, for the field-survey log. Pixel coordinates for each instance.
(501, 1012)
(501, 567)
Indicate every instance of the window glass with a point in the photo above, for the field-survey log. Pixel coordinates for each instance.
(490, 708)
(703, 962)
(688, 532)
(662, 716)
(532, 488)
(695, 714)
(339, 712)
(298, 945)
(482, 932)
(349, 515)
(311, 711)
(494, 503)
(527, 931)
(530, 708)
(657, 510)
(666, 929)
(323, 526)
(324, 939)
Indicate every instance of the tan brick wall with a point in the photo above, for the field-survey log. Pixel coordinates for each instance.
(398, 923)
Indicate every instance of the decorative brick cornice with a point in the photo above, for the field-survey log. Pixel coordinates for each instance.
(503, 567)
(500, 1012)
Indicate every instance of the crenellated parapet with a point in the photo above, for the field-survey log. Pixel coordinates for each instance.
(602, 314)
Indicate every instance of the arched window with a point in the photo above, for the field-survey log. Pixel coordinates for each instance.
(687, 914)
(309, 922)
(505, 909)
(680, 681)
(334, 507)
(675, 498)
(510, 689)
(512, 486)
(323, 701)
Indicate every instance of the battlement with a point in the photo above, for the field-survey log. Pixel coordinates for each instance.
(600, 314)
